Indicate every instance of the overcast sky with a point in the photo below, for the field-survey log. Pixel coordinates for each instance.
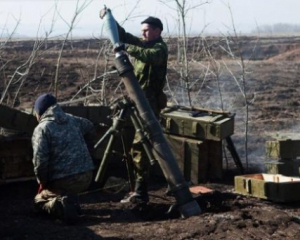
(247, 15)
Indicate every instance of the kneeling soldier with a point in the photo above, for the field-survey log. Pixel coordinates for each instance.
(62, 162)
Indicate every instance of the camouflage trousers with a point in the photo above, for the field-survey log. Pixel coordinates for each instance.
(139, 156)
(47, 200)
(140, 160)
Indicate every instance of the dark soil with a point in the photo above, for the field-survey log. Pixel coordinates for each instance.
(225, 215)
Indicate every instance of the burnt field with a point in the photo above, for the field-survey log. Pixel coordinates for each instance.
(271, 68)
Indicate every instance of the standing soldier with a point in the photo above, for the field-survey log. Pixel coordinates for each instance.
(61, 159)
(150, 68)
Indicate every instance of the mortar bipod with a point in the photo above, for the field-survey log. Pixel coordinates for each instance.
(125, 108)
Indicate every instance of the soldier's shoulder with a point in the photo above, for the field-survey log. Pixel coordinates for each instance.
(163, 45)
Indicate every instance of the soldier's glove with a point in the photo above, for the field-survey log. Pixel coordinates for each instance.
(122, 47)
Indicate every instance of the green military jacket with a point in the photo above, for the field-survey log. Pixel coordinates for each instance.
(150, 65)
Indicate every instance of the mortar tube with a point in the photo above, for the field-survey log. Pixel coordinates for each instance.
(161, 150)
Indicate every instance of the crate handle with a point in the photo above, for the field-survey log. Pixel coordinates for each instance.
(168, 123)
(194, 127)
(247, 185)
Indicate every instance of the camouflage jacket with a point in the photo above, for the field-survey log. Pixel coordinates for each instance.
(150, 65)
(59, 148)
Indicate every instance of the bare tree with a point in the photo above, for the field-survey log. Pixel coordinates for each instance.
(183, 7)
(78, 10)
(9, 35)
(216, 69)
(106, 53)
(4, 62)
(104, 48)
(241, 79)
(22, 71)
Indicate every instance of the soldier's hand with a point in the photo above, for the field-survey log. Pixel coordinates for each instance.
(120, 48)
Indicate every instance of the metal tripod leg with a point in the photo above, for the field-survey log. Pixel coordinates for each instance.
(129, 164)
(234, 154)
(126, 108)
(117, 122)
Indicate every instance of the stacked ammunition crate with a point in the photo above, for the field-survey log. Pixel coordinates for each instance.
(16, 128)
(15, 158)
(281, 181)
(283, 151)
(195, 137)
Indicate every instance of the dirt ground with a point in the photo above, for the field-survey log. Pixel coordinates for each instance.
(273, 84)
(225, 215)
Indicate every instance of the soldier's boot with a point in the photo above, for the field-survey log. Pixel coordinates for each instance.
(63, 208)
(140, 194)
(70, 209)
(73, 199)
(169, 191)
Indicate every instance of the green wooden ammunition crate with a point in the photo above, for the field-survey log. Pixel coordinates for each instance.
(274, 187)
(284, 148)
(96, 114)
(287, 167)
(199, 161)
(202, 126)
(15, 158)
(17, 120)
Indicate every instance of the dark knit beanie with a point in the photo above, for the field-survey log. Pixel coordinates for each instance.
(154, 22)
(43, 102)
